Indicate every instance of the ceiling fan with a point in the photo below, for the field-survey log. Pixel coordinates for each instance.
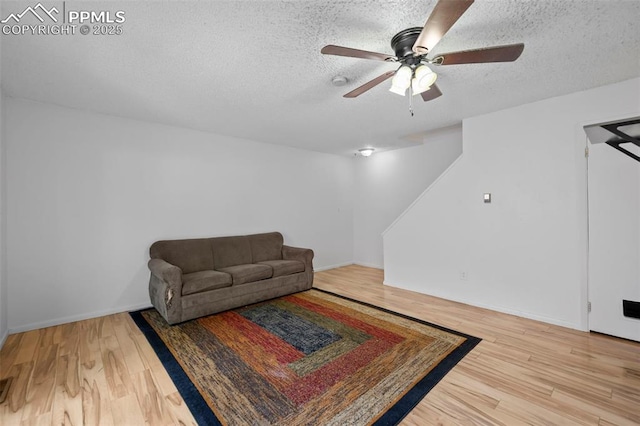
(412, 48)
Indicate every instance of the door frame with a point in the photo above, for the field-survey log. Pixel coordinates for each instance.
(586, 288)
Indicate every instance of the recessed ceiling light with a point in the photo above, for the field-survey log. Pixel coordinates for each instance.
(366, 152)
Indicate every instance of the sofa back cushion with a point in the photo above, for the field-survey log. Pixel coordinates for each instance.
(266, 246)
(189, 255)
(230, 251)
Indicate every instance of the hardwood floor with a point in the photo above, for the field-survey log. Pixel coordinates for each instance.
(103, 371)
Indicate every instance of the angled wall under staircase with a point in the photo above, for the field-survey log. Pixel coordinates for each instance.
(525, 252)
(388, 182)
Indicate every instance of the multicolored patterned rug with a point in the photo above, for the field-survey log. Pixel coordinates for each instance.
(309, 358)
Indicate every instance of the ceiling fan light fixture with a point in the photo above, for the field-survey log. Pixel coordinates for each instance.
(425, 77)
(412, 46)
(402, 80)
(398, 90)
(416, 89)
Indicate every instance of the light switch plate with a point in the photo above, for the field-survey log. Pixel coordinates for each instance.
(487, 197)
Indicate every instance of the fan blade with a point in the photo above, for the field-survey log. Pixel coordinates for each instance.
(507, 53)
(444, 15)
(431, 94)
(369, 85)
(355, 53)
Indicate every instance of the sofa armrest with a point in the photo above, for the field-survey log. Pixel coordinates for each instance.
(304, 255)
(165, 289)
(165, 271)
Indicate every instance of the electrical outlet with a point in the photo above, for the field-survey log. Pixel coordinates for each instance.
(463, 275)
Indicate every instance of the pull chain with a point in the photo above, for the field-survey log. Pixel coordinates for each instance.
(411, 100)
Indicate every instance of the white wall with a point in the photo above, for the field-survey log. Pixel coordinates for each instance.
(526, 253)
(4, 319)
(388, 182)
(4, 327)
(87, 194)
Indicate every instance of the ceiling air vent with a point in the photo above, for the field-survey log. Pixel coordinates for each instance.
(621, 135)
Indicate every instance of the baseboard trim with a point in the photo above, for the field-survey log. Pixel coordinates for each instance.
(337, 265)
(496, 308)
(80, 317)
(340, 265)
(368, 265)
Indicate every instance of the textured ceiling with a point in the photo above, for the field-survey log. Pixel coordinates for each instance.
(253, 69)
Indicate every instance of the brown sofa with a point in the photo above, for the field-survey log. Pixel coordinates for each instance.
(198, 277)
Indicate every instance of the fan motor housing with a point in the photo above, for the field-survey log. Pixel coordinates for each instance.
(403, 42)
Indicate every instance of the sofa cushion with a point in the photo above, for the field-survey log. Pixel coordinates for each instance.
(284, 267)
(189, 255)
(230, 251)
(197, 282)
(248, 273)
(266, 246)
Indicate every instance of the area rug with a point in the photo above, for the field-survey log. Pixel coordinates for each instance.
(309, 358)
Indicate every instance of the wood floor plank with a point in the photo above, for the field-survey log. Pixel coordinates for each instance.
(96, 402)
(150, 399)
(542, 414)
(127, 411)
(96, 410)
(42, 420)
(69, 337)
(129, 347)
(180, 414)
(600, 407)
(113, 360)
(89, 343)
(28, 346)
(40, 390)
(10, 350)
(67, 409)
(103, 371)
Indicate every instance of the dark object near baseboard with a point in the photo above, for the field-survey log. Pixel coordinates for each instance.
(631, 309)
(4, 388)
